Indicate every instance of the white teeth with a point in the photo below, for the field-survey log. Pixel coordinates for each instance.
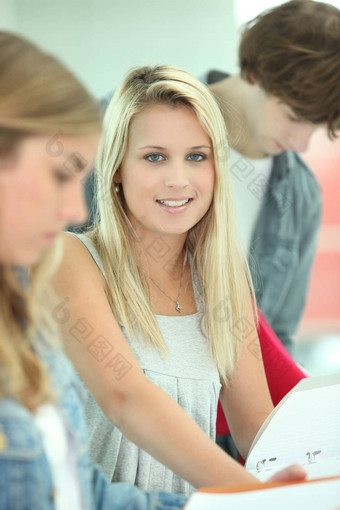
(174, 203)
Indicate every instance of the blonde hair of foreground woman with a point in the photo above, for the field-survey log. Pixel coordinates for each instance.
(38, 96)
(212, 242)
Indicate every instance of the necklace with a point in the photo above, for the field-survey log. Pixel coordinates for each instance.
(178, 306)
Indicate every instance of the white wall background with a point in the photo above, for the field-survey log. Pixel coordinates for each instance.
(101, 39)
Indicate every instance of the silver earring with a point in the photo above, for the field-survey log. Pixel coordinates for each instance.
(117, 188)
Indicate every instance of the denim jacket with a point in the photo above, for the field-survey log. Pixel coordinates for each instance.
(25, 477)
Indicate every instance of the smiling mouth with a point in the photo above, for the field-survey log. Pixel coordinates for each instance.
(174, 203)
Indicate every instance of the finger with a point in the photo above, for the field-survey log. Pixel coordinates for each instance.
(290, 473)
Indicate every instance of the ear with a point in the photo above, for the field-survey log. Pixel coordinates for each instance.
(117, 178)
(253, 79)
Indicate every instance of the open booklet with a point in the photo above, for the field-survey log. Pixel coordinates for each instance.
(304, 428)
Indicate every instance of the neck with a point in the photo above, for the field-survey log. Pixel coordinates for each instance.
(232, 95)
(160, 255)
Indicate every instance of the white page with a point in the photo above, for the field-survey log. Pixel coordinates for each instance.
(320, 469)
(304, 428)
(307, 383)
(323, 495)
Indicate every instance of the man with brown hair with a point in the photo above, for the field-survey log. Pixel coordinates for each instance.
(287, 88)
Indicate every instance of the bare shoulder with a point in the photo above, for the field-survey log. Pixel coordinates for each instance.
(75, 249)
(77, 268)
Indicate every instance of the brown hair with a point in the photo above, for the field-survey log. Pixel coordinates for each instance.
(293, 50)
(38, 95)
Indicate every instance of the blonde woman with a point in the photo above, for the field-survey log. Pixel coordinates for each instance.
(49, 129)
(154, 303)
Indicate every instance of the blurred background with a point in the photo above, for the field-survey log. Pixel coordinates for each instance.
(101, 39)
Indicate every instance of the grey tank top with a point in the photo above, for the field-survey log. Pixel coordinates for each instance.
(189, 375)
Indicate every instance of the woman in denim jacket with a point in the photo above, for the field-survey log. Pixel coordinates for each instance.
(25, 477)
(49, 127)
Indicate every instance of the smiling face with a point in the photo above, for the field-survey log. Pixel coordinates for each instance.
(167, 174)
(41, 193)
(273, 127)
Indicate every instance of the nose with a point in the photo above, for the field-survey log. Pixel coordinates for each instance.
(73, 210)
(177, 175)
(300, 136)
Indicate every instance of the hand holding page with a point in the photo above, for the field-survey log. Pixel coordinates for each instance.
(304, 428)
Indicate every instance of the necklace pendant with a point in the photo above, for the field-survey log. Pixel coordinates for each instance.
(178, 307)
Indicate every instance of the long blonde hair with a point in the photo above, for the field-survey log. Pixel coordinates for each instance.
(221, 269)
(38, 95)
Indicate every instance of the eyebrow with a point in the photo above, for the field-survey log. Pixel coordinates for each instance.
(196, 147)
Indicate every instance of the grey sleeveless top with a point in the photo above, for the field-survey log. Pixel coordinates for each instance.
(189, 375)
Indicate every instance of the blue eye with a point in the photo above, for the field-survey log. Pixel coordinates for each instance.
(196, 157)
(154, 158)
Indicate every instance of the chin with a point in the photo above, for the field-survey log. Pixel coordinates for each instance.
(269, 148)
(178, 230)
(29, 260)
